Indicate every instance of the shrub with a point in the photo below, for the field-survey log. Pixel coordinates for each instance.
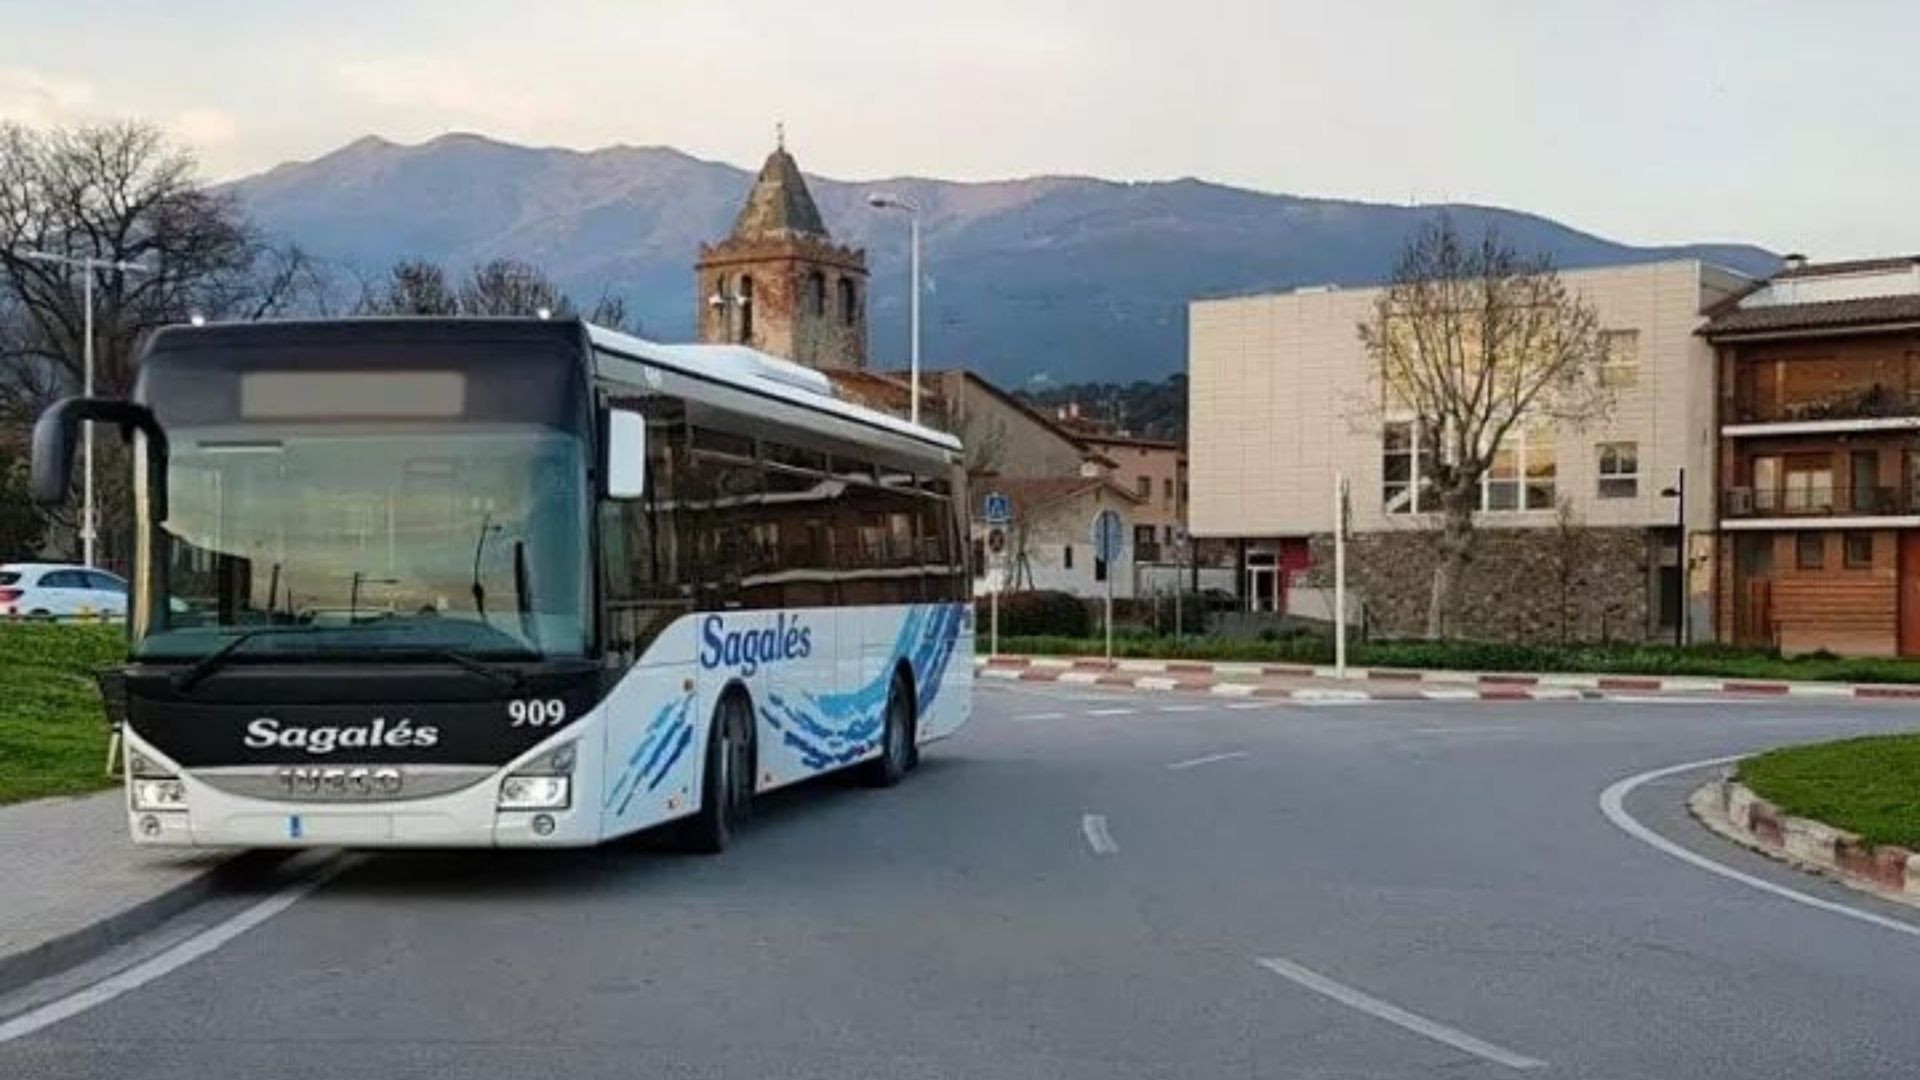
(1044, 613)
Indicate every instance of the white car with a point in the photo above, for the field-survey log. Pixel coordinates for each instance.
(60, 591)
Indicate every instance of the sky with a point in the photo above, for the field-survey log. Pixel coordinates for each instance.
(1788, 123)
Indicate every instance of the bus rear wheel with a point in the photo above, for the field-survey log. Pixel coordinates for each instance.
(726, 789)
(897, 750)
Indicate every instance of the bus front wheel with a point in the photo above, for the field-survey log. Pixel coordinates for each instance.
(726, 789)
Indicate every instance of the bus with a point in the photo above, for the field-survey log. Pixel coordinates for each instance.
(514, 583)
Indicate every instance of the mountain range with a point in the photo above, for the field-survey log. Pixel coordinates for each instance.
(1053, 278)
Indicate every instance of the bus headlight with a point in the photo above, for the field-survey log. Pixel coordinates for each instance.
(159, 794)
(536, 792)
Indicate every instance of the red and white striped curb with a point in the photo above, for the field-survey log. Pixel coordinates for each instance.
(1733, 810)
(1232, 679)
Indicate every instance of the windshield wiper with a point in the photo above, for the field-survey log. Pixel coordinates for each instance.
(507, 678)
(219, 657)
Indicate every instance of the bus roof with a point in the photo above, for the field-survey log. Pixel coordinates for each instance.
(768, 376)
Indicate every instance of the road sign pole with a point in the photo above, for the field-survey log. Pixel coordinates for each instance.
(1109, 611)
(993, 612)
(1340, 575)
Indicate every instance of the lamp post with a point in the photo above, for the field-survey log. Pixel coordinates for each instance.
(1678, 493)
(883, 201)
(90, 266)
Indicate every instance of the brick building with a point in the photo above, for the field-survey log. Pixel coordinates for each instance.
(779, 282)
(1819, 470)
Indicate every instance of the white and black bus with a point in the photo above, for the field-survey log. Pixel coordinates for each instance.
(515, 582)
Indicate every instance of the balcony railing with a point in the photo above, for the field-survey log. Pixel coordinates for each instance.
(1873, 402)
(1818, 502)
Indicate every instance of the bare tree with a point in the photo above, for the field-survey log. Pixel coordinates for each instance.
(1469, 341)
(1572, 554)
(511, 287)
(500, 287)
(121, 193)
(982, 435)
(412, 287)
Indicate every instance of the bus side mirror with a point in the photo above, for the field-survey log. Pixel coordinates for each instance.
(58, 429)
(626, 470)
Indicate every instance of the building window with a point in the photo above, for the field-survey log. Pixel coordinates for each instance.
(1166, 489)
(1143, 536)
(1066, 556)
(1503, 480)
(1619, 470)
(1543, 467)
(1143, 486)
(1809, 483)
(1859, 551)
(816, 293)
(1099, 568)
(1810, 550)
(1863, 481)
(1398, 455)
(1620, 358)
(849, 302)
(746, 308)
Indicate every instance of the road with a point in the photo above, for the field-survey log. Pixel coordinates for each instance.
(1084, 884)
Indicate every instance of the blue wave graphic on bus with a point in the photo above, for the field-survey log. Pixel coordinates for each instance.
(667, 737)
(835, 729)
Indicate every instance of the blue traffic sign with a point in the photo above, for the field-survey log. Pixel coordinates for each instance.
(1108, 536)
(996, 508)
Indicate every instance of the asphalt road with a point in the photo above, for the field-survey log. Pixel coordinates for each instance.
(1087, 885)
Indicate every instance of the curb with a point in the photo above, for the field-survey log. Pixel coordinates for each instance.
(1121, 675)
(1732, 809)
(1460, 685)
(76, 947)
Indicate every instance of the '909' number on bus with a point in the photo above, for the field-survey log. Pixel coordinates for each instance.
(536, 712)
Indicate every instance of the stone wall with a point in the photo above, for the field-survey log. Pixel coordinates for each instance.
(1536, 584)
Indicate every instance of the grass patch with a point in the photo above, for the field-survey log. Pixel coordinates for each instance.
(1710, 661)
(1870, 786)
(53, 735)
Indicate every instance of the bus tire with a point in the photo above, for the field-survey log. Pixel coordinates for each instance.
(896, 741)
(726, 787)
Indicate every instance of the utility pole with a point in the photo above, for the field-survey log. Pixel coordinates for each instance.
(89, 526)
(885, 201)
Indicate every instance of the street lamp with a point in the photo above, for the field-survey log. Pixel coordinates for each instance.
(881, 200)
(91, 266)
(1678, 493)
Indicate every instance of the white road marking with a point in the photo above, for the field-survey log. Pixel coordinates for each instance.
(1155, 682)
(1111, 712)
(1094, 826)
(1233, 689)
(1251, 705)
(1331, 697)
(1613, 805)
(172, 959)
(1182, 708)
(1393, 1014)
(1208, 760)
(1041, 716)
(1000, 673)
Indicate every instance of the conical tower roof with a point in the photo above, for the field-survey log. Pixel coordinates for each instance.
(780, 204)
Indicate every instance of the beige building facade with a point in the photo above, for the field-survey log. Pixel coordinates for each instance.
(1282, 401)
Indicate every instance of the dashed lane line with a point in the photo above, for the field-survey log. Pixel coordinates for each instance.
(1094, 828)
(1395, 1015)
(1111, 712)
(1209, 759)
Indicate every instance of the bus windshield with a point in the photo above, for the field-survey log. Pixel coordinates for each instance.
(468, 538)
